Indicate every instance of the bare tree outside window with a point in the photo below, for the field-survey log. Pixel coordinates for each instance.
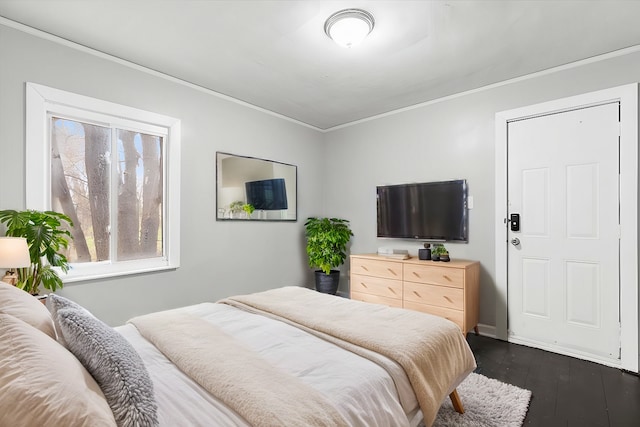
(85, 165)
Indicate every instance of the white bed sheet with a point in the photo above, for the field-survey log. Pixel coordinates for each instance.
(362, 391)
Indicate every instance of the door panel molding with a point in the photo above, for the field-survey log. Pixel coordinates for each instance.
(627, 95)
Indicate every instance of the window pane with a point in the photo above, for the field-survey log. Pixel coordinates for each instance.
(140, 195)
(92, 167)
(80, 185)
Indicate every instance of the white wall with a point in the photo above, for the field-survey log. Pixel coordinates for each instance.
(453, 138)
(218, 258)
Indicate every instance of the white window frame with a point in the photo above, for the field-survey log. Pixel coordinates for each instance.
(41, 103)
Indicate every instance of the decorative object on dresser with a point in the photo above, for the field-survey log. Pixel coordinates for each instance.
(393, 253)
(248, 208)
(449, 290)
(47, 234)
(425, 254)
(327, 240)
(439, 253)
(235, 208)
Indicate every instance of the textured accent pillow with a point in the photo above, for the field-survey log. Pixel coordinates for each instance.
(26, 307)
(55, 303)
(42, 384)
(115, 365)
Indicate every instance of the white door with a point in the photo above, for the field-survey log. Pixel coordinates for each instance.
(563, 275)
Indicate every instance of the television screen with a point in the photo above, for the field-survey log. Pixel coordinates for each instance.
(267, 194)
(428, 211)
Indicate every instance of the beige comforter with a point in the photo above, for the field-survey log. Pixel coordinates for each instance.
(432, 350)
(235, 374)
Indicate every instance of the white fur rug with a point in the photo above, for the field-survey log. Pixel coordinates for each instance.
(487, 403)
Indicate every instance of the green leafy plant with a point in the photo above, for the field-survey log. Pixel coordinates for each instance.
(46, 237)
(248, 208)
(327, 240)
(236, 206)
(439, 249)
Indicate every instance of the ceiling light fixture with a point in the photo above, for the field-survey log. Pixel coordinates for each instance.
(349, 27)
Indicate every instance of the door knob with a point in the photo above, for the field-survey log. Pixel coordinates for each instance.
(515, 241)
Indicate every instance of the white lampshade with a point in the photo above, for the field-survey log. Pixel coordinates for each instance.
(14, 252)
(349, 27)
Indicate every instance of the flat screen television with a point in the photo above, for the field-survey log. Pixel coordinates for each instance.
(431, 211)
(267, 194)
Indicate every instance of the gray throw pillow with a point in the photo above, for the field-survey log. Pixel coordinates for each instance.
(56, 302)
(115, 365)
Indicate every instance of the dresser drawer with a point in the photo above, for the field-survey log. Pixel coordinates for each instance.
(434, 275)
(456, 316)
(441, 296)
(376, 286)
(376, 299)
(378, 268)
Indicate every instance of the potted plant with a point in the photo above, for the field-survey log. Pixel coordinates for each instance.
(248, 208)
(439, 253)
(46, 236)
(235, 208)
(327, 240)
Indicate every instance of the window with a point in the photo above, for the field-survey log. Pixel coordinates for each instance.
(114, 170)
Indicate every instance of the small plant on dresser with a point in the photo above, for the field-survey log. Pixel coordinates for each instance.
(439, 253)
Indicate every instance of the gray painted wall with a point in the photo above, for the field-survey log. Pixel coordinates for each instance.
(453, 138)
(218, 258)
(337, 171)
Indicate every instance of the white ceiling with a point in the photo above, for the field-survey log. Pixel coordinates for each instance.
(275, 55)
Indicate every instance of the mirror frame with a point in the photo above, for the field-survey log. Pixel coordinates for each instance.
(218, 189)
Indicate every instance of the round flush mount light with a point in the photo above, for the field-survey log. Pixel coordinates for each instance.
(349, 27)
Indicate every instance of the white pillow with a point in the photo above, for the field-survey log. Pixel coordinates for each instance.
(26, 307)
(43, 384)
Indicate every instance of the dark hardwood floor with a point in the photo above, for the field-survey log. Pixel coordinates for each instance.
(565, 391)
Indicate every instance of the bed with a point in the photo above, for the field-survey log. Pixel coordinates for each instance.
(287, 356)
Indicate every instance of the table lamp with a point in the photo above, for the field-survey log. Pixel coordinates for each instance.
(14, 253)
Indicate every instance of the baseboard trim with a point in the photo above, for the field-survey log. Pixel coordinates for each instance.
(487, 330)
(613, 363)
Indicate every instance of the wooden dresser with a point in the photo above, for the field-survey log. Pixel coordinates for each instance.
(447, 289)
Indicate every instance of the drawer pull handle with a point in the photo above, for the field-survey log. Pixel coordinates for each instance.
(417, 294)
(448, 299)
(364, 268)
(391, 271)
(363, 285)
(416, 274)
(446, 277)
(391, 289)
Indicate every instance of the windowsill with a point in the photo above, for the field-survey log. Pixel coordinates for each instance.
(75, 276)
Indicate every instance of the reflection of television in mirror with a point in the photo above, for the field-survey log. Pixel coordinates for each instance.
(267, 194)
(426, 211)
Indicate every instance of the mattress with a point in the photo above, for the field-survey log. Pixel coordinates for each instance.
(364, 392)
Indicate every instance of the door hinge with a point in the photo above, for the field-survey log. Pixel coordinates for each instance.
(619, 340)
(619, 232)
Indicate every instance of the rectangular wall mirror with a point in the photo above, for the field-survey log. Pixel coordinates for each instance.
(255, 189)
